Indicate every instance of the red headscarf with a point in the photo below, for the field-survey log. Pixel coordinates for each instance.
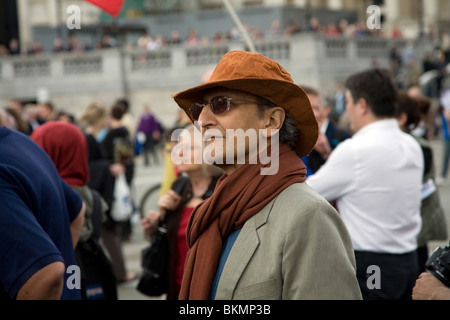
(67, 147)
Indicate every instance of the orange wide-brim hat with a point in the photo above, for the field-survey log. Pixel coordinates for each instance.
(256, 74)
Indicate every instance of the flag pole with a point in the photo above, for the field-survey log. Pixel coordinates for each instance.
(240, 26)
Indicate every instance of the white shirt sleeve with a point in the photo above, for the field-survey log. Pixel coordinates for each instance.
(338, 175)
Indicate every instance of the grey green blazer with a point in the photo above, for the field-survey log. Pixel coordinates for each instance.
(297, 247)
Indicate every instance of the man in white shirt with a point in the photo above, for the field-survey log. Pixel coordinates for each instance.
(375, 179)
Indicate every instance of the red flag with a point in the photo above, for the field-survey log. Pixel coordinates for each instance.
(113, 7)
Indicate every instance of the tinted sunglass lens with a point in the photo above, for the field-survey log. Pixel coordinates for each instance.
(195, 110)
(219, 105)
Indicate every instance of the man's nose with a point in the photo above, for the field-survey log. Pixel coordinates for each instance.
(206, 116)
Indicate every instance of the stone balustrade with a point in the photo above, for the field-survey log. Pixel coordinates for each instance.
(310, 58)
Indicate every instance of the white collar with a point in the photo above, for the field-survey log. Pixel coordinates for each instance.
(324, 126)
(378, 125)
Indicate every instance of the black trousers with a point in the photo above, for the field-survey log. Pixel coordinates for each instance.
(383, 276)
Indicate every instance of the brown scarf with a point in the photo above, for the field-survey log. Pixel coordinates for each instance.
(236, 199)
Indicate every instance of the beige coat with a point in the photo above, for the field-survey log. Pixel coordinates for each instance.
(297, 247)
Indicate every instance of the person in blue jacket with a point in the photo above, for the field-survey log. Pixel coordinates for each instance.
(40, 222)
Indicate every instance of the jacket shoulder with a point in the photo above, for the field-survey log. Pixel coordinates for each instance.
(300, 197)
(298, 202)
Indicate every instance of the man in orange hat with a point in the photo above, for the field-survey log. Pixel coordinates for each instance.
(261, 236)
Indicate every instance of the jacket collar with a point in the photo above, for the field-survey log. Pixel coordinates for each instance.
(240, 255)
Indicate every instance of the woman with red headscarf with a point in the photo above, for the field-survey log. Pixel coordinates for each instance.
(67, 147)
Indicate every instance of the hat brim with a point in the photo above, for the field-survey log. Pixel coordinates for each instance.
(284, 94)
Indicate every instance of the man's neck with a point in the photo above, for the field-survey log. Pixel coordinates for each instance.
(369, 120)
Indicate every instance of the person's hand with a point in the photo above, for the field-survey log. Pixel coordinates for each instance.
(156, 135)
(150, 223)
(116, 169)
(323, 146)
(429, 287)
(170, 201)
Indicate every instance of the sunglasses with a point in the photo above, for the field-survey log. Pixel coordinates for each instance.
(219, 105)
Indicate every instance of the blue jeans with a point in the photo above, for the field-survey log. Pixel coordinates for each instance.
(398, 274)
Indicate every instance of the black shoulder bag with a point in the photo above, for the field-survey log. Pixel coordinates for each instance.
(154, 259)
(98, 281)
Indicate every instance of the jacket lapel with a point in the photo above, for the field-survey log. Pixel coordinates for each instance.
(241, 253)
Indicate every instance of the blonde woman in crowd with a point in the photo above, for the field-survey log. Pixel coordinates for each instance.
(103, 172)
(200, 180)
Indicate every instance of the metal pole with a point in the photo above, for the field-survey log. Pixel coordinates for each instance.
(123, 73)
(420, 17)
(308, 13)
(240, 26)
(59, 32)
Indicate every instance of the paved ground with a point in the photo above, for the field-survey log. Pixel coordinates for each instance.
(148, 176)
(444, 190)
(145, 177)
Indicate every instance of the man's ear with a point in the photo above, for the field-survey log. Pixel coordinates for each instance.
(363, 106)
(402, 120)
(273, 120)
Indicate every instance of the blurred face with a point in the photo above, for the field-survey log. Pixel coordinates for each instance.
(320, 111)
(44, 112)
(352, 111)
(190, 151)
(102, 122)
(17, 106)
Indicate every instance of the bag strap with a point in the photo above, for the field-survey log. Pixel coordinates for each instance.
(178, 189)
(96, 214)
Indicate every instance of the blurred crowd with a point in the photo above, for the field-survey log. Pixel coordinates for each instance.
(192, 37)
(110, 137)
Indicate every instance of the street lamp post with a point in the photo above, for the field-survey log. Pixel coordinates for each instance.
(308, 13)
(59, 24)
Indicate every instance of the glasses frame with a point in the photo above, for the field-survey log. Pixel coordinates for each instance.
(213, 109)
